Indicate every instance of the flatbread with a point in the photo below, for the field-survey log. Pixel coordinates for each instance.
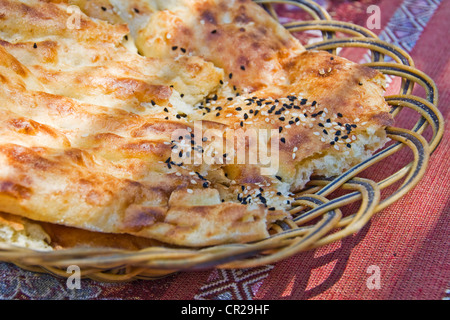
(95, 119)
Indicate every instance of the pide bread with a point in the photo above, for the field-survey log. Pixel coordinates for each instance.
(136, 123)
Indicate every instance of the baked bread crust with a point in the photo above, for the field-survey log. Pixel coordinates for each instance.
(88, 117)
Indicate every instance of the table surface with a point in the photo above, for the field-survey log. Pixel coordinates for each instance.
(406, 245)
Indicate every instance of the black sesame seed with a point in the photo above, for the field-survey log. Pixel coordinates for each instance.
(282, 118)
(256, 112)
(245, 116)
(174, 48)
(217, 114)
(332, 143)
(349, 145)
(182, 95)
(283, 140)
(344, 137)
(103, 8)
(214, 31)
(126, 37)
(278, 177)
(340, 115)
(183, 50)
(303, 101)
(243, 68)
(242, 123)
(321, 125)
(166, 110)
(271, 209)
(313, 103)
(230, 98)
(153, 102)
(325, 131)
(35, 45)
(136, 10)
(221, 81)
(338, 133)
(336, 139)
(230, 76)
(205, 185)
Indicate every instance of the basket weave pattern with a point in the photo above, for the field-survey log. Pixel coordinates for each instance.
(318, 218)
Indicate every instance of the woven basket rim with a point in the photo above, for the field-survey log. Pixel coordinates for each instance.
(289, 237)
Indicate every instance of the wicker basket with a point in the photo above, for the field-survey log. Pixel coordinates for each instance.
(318, 215)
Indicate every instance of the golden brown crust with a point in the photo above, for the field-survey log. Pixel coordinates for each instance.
(91, 131)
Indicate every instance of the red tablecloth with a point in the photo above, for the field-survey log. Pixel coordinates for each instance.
(407, 244)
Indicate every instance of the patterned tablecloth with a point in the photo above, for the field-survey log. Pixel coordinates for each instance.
(407, 244)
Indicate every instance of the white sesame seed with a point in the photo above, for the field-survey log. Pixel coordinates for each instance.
(364, 123)
(317, 133)
(193, 181)
(295, 149)
(327, 125)
(325, 110)
(168, 36)
(356, 120)
(178, 174)
(190, 191)
(288, 126)
(293, 156)
(267, 119)
(336, 147)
